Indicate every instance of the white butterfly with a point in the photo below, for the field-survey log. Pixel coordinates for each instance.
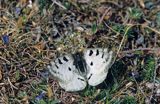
(70, 76)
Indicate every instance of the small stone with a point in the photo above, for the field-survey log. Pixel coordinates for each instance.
(149, 5)
(140, 40)
(80, 29)
(158, 91)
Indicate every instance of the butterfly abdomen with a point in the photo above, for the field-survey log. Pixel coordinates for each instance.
(80, 63)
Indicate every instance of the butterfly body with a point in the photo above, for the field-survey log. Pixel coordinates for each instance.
(74, 71)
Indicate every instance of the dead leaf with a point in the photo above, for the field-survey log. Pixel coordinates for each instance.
(1, 73)
(20, 22)
(40, 46)
(49, 92)
(25, 100)
(141, 2)
(34, 24)
(101, 9)
(5, 19)
(23, 1)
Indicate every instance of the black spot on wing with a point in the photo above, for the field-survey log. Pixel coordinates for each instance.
(89, 77)
(54, 71)
(102, 55)
(90, 52)
(69, 68)
(65, 59)
(81, 79)
(56, 66)
(97, 52)
(91, 63)
(59, 61)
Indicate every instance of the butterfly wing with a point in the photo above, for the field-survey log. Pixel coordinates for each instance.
(65, 71)
(98, 63)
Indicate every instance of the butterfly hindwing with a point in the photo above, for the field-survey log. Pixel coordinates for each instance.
(65, 71)
(98, 62)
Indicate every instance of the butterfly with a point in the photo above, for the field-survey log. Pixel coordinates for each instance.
(74, 71)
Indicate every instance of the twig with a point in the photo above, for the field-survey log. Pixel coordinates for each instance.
(5, 60)
(120, 46)
(59, 4)
(12, 86)
(101, 19)
(140, 49)
(156, 31)
(111, 28)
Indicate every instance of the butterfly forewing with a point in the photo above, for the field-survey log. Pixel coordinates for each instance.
(98, 62)
(71, 77)
(67, 74)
